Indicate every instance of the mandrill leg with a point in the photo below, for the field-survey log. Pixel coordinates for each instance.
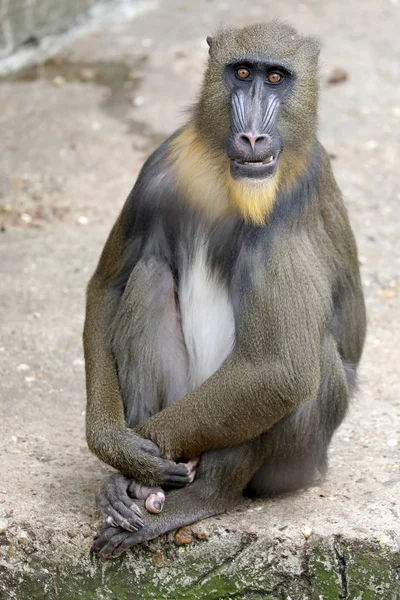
(208, 495)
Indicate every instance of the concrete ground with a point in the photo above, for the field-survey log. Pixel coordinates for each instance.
(74, 133)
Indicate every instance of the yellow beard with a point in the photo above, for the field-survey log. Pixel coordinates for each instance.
(254, 201)
(203, 176)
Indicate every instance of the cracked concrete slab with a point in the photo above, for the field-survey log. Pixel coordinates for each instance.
(74, 133)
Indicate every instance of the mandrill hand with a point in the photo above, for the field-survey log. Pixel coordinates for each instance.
(116, 500)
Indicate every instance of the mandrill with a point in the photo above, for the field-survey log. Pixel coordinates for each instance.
(225, 319)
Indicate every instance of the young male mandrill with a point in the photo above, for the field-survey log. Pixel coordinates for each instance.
(225, 319)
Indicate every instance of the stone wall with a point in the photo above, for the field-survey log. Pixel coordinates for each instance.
(27, 21)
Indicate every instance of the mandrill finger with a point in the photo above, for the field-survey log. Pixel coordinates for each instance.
(112, 542)
(192, 464)
(178, 482)
(116, 489)
(116, 520)
(154, 496)
(108, 539)
(141, 492)
(129, 512)
(114, 547)
(177, 474)
(155, 502)
(118, 515)
(123, 543)
(117, 507)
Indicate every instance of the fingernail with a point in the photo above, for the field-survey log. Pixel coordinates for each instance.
(157, 505)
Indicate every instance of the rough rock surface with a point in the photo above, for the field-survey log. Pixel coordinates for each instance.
(74, 134)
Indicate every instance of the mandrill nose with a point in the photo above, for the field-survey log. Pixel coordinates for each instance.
(256, 142)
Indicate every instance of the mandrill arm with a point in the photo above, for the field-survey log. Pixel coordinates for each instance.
(107, 434)
(274, 367)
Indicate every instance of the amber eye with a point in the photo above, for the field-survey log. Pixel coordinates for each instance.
(243, 73)
(274, 77)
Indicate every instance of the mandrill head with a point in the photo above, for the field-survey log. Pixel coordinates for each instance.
(257, 113)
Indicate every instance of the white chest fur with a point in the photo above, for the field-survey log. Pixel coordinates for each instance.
(206, 317)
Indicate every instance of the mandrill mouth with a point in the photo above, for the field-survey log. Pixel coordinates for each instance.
(266, 161)
(254, 169)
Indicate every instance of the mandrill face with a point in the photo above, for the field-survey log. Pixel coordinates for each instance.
(257, 89)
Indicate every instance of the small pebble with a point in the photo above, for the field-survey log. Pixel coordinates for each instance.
(138, 101)
(371, 145)
(158, 559)
(147, 42)
(387, 293)
(86, 532)
(87, 75)
(26, 218)
(200, 533)
(183, 536)
(23, 538)
(71, 533)
(83, 220)
(59, 81)
(23, 367)
(306, 531)
(383, 540)
(392, 443)
(3, 525)
(252, 530)
(78, 362)
(338, 75)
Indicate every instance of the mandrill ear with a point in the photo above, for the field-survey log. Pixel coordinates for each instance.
(313, 46)
(209, 42)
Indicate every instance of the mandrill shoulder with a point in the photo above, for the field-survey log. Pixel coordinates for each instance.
(155, 184)
(333, 210)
